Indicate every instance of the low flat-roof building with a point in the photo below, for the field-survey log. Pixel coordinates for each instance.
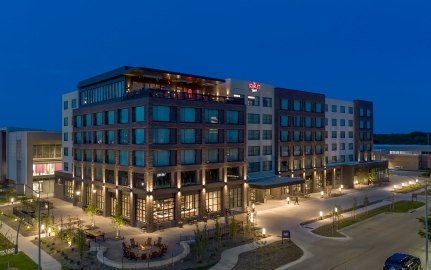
(406, 157)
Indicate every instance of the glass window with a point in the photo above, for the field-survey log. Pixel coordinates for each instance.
(163, 210)
(123, 136)
(188, 178)
(109, 176)
(212, 136)
(233, 154)
(297, 164)
(342, 134)
(78, 138)
(235, 198)
(350, 123)
(189, 205)
(267, 119)
(350, 110)
(161, 135)
(188, 157)
(297, 121)
(319, 149)
(318, 107)
(284, 151)
(297, 150)
(161, 158)
(232, 136)
(232, 117)
(284, 136)
(334, 122)
(307, 106)
(350, 134)
(333, 134)
(342, 122)
(334, 147)
(267, 135)
(188, 135)
(267, 150)
(319, 122)
(296, 105)
(110, 137)
(161, 113)
(253, 150)
(284, 166)
(98, 156)
(139, 180)
(307, 121)
(368, 112)
(65, 151)
(88, 120)
(284, 104)
(233, 173)
(253, 135)
(110, 156)
(342, 146)
(253, 118)
(361, 111)
(162, 180)
(213, 201)
(139, 114)
(141, 210)
(284, 121)
(188, 115)
(252, 101)
(212, 155)
(124, 157)
(139, 158)
(78, 121)
(318, 136)
(65, 121)
(73, 103)
(333, 108)
(98, 119)
(123, 178)
(267, 102)
(139, 136)
(110, 117)
(65, 105)
(211, 116)
(307, 136)
(253, 167)
(297, 136)
(308, 150)
(342, 109)
(350, 146)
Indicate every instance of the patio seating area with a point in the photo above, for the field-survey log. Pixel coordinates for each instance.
(144, 251)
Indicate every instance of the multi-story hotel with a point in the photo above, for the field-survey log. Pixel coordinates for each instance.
(166, 146)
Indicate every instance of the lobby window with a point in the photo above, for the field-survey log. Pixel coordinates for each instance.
(267, 102)
(189, 205)
(297, 136)
(162, 180)
(307, 106)
(65, 121)
(123, 136)
(139, 180)
(342, 134)
(333, 134)
(110, 137)
(319, 149)
(284, 121)
(161, 113)
(333, 108)
(110, 157)
(212, 136)
(267, 119)
(123, 178)
(232, 154)
(98, 156)
(212, 116)
(213, 201)
(139, 136)
(188, 135)
(350, 123)
(307, 121)
(139, 158)
(267, 165)
(139, 114)
(163, 210)
(350, 110)
(65, 105)
(109, 176)
(232, 136)
(342, 122)
(232, 117)
(284, 136)
(297, 121)
(235, 197)
(334, 122)
(98, 119)
(253, 135)
(123, 157)
(253, 151)
(252, 101)
(188, 157)
(319, 122)
(253, 167)
(296, 105)
(284, 104)
(284, 151)
(297, 150)
(78, 121)
(162, 135)
(212, 155)
(253, 118)
(161, 158)
(308, 150)
(141, 210)
(188, 115)
(68, 189)
(342, 109)
(318, 107)
(110, 117)
(266, 134)
(267, 149)
(188, 178)
(307, 136)
(318, 136)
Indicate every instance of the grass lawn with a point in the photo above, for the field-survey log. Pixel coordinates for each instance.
(19, 261)
(399, 207)
(407, 189)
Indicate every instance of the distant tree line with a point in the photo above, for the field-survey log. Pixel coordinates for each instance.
(415, 137)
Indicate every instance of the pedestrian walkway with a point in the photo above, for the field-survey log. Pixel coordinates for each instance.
(25, 245)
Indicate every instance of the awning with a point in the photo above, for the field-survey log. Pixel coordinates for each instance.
(274, 181)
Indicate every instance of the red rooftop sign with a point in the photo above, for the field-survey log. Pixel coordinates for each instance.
(254, 86)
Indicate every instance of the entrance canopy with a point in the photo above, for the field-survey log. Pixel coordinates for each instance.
(274, 181)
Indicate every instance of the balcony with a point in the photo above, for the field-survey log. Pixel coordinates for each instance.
(156, 93)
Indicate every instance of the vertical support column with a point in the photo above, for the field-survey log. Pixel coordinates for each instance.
(132, 207)
(324, 179)
(149, 201)
(202, 204)
(107, 204)
(177, 209)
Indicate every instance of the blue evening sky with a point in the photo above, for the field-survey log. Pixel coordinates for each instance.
(363, 49)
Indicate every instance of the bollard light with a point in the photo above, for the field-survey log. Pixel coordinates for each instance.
(49, 231)
(336, 209)
(321, 214)
(402, 184)
(253, 206)
(12, 200)
(417, 180)
(341, 186)
(263, 231)
(321, 193)
(288, 200)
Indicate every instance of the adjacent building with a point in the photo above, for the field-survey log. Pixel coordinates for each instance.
(29, 159)
(405, 157)
(166, 147)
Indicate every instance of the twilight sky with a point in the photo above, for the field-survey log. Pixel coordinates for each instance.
(356, 49)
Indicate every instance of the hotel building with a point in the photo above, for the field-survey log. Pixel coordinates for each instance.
(168, 147)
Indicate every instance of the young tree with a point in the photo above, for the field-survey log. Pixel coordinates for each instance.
(11, 193)
(81, 241)
(91, 210)
(217, 233)
(233, 228)
(366, 203)
(6, 247)
(201, 241)
(372, 176)
(117, 220)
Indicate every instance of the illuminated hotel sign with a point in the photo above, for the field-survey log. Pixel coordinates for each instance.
(254, 86)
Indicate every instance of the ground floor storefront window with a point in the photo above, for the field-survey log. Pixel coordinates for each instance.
(235, 197)
(163, 210)
(189, 205)
(141, 210)
(213, 201)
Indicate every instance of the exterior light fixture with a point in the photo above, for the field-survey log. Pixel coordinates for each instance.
(263, 231)
(12, 200)
(321, 215)
(321, 194)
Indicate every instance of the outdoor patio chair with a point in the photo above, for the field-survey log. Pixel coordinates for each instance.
(143, 256)
(159, 241)
(148, 243)
(133, 243)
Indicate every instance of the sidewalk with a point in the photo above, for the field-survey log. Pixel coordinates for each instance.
(25, 245)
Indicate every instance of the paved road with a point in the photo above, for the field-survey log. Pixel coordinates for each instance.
(368, 244)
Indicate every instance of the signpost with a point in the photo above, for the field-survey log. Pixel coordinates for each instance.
(285, 234)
